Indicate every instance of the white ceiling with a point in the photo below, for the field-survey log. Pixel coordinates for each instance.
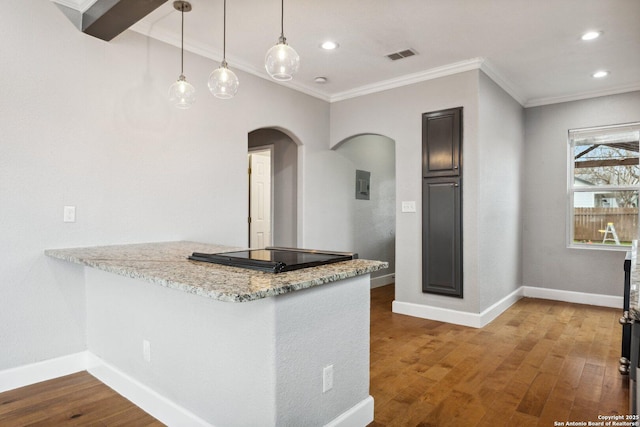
(531, 47)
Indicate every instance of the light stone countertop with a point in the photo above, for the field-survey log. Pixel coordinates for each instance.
(166, 264)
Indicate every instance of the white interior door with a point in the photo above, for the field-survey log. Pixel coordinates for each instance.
(260, 198)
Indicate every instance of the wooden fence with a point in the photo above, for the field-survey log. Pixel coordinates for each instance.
(588, 223)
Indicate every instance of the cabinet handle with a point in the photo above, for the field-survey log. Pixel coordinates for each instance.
(455, 167)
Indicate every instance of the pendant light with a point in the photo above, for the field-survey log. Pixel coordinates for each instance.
(182, 94)
(282, 61)
(223, 83)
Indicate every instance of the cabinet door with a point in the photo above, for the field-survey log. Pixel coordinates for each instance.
(441, 136)
(442, 236)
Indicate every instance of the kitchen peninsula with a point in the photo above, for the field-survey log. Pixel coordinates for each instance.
(233, 347)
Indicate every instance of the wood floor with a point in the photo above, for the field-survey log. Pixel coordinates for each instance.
(74, 400)
(538, 363)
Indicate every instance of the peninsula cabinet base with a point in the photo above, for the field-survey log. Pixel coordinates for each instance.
(239, 364)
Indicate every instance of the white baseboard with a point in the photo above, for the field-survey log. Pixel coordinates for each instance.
(435, 313)
(380, 281)
(358, 415)
(479, 320)
(574, 297)
(488, 315)
(474, 320)
(156, 405)
(42, 371)
(142, 396)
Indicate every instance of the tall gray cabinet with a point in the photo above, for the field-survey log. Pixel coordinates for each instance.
(442, 202)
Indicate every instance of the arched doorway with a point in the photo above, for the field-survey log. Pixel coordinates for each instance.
(373, 215)
(283, 182)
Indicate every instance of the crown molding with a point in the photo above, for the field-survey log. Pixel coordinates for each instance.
(481, 63)
(536, 102)
(490, 70)
(433, 73)
(458, 67)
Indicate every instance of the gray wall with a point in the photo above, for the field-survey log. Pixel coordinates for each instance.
(492, 180)
(285, 184)
(374, 220)
(501, 180)
(396, 114)
(205, 352)
(87, 123)
(548, 263)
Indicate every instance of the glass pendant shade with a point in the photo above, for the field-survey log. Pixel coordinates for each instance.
(282, 61)
(182, 94)
(223, 83)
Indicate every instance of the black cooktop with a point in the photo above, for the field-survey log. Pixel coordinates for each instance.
(274, 260)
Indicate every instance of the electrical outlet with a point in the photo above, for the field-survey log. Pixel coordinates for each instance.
(327, 378)
(69, 214)
(146, 350)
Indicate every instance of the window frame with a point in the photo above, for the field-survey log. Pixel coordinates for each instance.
(572, 189)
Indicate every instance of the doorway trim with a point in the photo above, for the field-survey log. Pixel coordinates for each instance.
(270, 149)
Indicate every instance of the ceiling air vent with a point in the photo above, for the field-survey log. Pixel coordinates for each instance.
(402, 54)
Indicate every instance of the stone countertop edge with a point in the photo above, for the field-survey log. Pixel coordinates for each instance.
(166, 264)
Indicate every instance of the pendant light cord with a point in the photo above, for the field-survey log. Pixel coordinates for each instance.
(224, 32)
(182, 42)
(282, 19)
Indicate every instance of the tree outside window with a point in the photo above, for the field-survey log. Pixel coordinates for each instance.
(604, 178)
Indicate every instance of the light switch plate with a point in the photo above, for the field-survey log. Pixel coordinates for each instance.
(409, 206)
(327, 378)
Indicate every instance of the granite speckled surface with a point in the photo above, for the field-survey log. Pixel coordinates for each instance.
(166, 264)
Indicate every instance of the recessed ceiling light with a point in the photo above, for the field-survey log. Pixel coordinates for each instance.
(591, 35)
(329, 45)
(320, 80)
(600, 74)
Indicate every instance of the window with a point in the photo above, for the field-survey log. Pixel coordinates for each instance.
(604, 178)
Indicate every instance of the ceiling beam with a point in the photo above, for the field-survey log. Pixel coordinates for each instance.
(105, 19)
